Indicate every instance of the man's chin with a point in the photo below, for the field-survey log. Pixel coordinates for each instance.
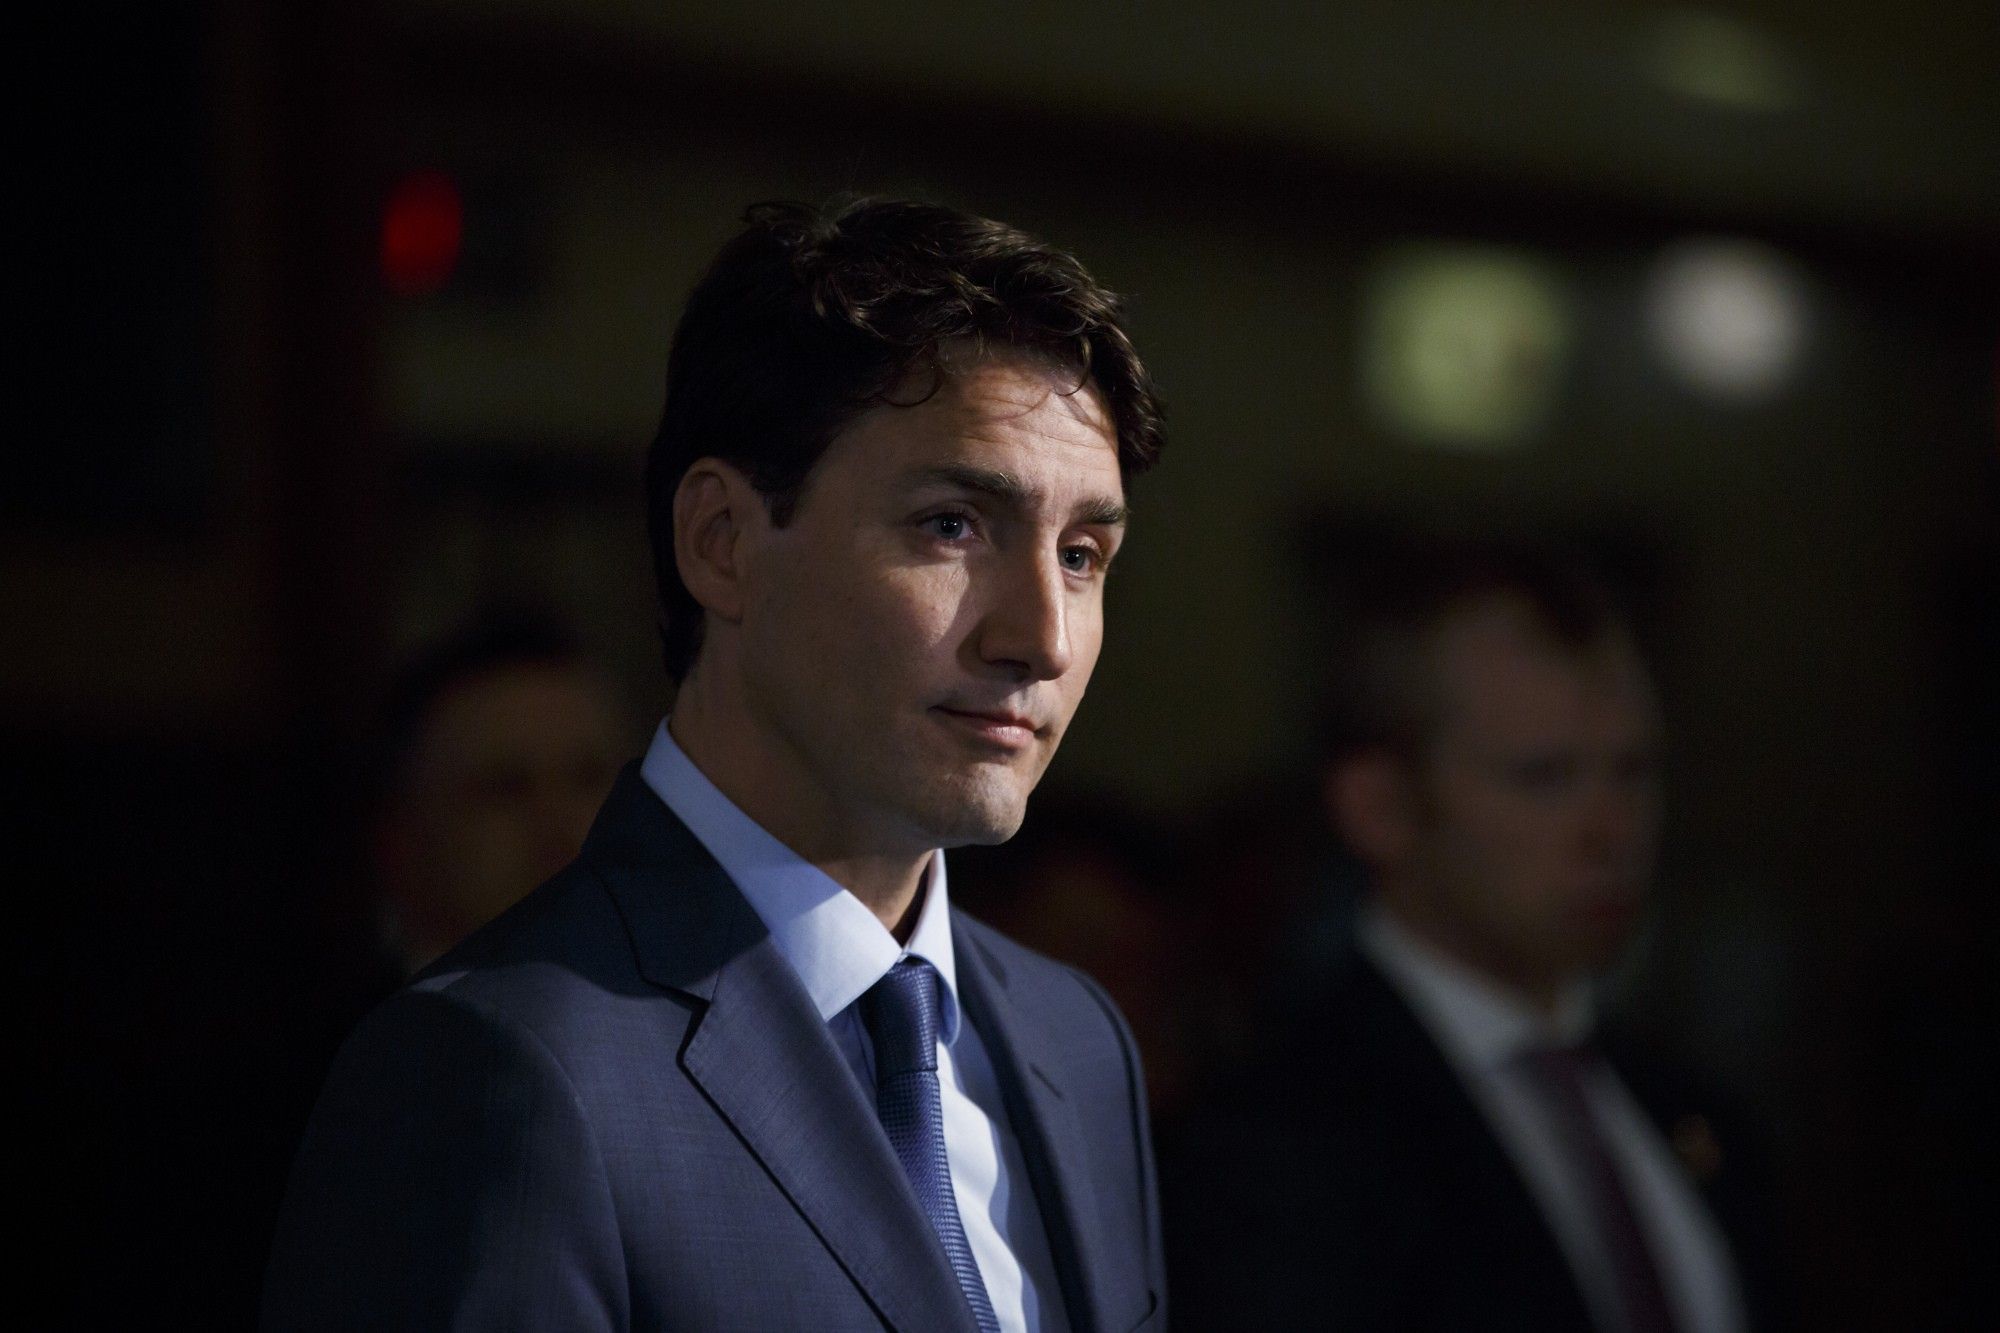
(990, 835)
(978, 829)
(977, 813)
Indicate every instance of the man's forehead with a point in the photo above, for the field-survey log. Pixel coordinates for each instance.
(1011, 429)
(1495, 667)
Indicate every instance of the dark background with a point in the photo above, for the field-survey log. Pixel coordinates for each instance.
(1393, 264)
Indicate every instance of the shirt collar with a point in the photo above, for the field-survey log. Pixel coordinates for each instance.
(1484, 1024)
(837, 946)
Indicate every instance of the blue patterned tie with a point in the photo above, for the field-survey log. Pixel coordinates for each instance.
(902, 1014)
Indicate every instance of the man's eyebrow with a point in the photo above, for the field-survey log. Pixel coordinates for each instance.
(1005, 486)
(1104, 513)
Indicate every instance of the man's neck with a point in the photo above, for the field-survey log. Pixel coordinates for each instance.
(1544, 995)
(746, 768)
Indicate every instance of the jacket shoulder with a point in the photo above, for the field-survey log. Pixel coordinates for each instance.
(559, 965)
(423, 1110)
(1054, 986)
(568, 915)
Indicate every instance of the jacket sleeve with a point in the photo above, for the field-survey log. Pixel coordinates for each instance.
(448, 1179)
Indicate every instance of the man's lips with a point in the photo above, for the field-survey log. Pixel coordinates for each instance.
(1008, 730)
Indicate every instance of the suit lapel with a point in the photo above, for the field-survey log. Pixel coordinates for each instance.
(1025, 1046)
(765, 1060)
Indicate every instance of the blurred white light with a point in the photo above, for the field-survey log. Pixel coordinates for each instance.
(1728, 317)
(1722, 61)
(1463, 346)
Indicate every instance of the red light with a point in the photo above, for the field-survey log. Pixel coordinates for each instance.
(423, 227)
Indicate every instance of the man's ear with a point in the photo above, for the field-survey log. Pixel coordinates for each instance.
(1372, 803)
(715, 510)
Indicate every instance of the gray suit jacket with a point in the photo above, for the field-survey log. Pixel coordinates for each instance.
(616, 1107)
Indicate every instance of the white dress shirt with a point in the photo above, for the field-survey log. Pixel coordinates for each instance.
(840, 949)
(1483, 1031)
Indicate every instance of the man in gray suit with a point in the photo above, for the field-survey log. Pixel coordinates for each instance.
(740, 1066)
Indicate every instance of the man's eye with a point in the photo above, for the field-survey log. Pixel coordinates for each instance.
(1081, 559)
(949, 527)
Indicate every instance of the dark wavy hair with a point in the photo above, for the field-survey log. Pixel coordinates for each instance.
(810, 316)
(1383, 678)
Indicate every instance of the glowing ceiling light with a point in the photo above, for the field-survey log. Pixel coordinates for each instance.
(1463, 347)
(1728, 317)
(1722, 61)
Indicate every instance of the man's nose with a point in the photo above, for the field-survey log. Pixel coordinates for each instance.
(1026, 628)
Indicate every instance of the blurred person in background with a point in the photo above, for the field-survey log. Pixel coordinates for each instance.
(1439, 1136)
(500, 743)
(492, 748)
(741, 1065)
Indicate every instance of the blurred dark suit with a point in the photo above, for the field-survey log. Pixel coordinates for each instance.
(1348, 1180)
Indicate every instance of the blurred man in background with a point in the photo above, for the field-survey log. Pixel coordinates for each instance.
(500, 744)
(1437, 1139)
(493, 747)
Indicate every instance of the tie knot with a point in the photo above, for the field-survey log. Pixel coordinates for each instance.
(902, 1014)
